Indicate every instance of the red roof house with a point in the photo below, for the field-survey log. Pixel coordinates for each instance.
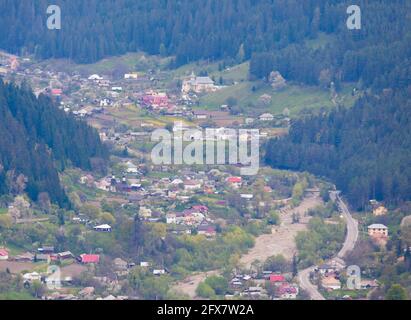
(234, 179)
(4, 254)
(56, 92)
(277, 278)
(89, 258)
(200, 208)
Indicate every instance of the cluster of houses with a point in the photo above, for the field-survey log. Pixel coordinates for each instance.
(256, 286)
(330, 275)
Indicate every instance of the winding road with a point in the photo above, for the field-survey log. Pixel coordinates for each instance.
(349, 243)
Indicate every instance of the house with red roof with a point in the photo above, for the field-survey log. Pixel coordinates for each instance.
(89, 258)
(56, 92)
(200, 208)
(4, 254)
(287, 292)
(235, 182)
(277, 279)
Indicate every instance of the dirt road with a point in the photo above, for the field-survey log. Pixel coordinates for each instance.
(281, 239)
(189, 285)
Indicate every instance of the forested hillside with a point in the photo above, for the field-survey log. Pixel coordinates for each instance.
(213, 29)
(375, 55)
(366, 150)
(36, 140)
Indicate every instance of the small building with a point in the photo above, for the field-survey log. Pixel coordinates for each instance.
(89, 258)
(95, 77)
(331, 283)
(4, 254)
(277, 279)
(171, 218)
(377, 230)
(120, 264)
(380, 211)
(103, 228)
(266, 117)
(326, 268)
(192, 185)
(25, 257)
(287, 292)
(30, 277)
(131, 76)
(42, 257)
(46, 250)
(117, 89)
(198, 84)
(65, 255)
(208, 230)
(159, 272)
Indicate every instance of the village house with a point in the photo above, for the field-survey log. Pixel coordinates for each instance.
(287, 292)
(89, 258)
(326, 268)
(266, 117)
(131, 76)
(191, 185)
(25, 257)
(4, 254)
(144, 212)
(377, 230)
(159, 272)
(120, 264)
(65, 255)
(102, 228)
(277, 279)
(171, 218)
(380, 211)
(235, 182)
(30, 277)
(208, 230)
(42, 257)
(95, 77)
(198, 84)
(331, 282)
(155, 100)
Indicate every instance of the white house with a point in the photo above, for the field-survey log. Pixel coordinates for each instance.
(102, 228)
(95, 77)
(192, 185)
(158, 272)
(131, 76)
(131, 167)
(171, 218)
(266, 117)
(34, 276)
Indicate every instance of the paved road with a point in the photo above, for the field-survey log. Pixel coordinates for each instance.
(352, 228)
(349, 243)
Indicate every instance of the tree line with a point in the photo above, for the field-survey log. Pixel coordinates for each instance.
(37, 140)
(366, 150)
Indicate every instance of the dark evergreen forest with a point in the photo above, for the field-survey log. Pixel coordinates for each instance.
(366, 150)
(37, 140)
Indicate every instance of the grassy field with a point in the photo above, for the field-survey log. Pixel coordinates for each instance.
(293, 97)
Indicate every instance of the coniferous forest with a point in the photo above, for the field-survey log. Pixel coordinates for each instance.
(37, 140)
(366, 150)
